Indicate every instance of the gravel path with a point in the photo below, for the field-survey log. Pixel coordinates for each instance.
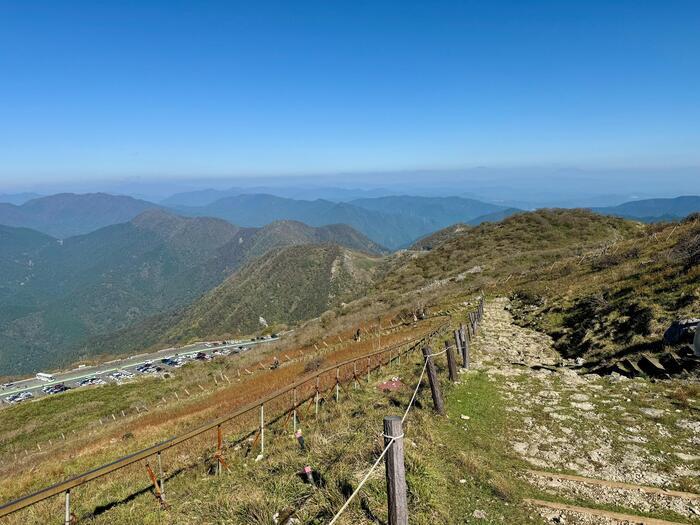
(609, 428)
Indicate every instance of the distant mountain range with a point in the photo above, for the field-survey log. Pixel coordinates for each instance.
(393, 222)
(17, 198)
(57, 294)
(654, 210)
(335, 194)
(67, 214)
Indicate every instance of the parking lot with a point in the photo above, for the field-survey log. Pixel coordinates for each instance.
(120, 370)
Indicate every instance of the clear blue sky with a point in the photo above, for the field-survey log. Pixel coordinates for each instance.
(221, 88)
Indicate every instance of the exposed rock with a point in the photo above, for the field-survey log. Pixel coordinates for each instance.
(652, 412)
(671, 362)
(479, 514)
(681, 331)
(651, 366)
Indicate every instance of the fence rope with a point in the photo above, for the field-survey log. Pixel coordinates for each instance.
(391, 438)
(420, 380)
(415, 392)
(364, 480)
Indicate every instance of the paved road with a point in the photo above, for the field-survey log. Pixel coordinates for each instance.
(129, 364)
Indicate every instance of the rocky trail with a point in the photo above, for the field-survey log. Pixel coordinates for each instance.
(628, 444)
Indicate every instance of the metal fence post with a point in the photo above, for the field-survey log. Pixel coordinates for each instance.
(395, 473)
(160, 473)
(337, 384)
(317, 395)
(67, 517)
(294, 414)
(262, 429)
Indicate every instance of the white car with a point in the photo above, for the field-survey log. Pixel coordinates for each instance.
(121, 375)
(18, 398)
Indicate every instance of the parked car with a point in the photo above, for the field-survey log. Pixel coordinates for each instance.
(18, 398)
(91, 381)
(121, 375)
(55, 389)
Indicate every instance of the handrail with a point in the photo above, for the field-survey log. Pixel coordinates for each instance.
(124, 461)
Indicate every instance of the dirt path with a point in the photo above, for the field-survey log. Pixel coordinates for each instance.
(608, 428)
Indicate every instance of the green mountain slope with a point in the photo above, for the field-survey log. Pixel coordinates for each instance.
(438, 212)
(617, 300)
(602, 287)
(67, 214)
(58, 296)
(519, 242)
(494, 216)
(434, 239)
(286, 286)
(653, 210)
(256, 210)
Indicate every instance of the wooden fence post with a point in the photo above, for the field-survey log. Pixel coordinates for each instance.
(451, 364)
(465, 348)
(459, 343)
(434, 384)
(395, 473)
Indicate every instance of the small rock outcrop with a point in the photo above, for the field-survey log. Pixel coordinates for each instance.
(681, 331)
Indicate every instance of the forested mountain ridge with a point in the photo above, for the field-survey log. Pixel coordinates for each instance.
(57, 294)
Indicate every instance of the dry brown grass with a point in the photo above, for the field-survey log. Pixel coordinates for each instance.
(110, 442)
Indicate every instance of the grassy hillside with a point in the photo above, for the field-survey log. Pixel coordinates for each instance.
(520, 242)
(434, 239)
(468, 467)
(286, 286)
(619, 299)
(602, 287)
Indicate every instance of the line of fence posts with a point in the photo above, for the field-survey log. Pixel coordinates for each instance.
(393, 432)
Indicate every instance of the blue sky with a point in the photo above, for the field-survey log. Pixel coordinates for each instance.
(103, 89)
